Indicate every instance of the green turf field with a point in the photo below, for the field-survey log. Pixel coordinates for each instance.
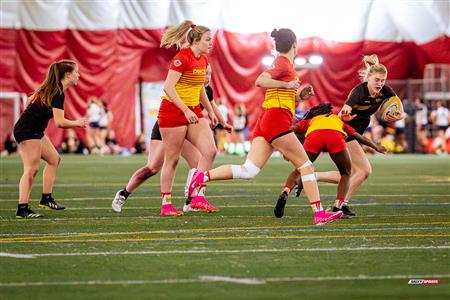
(87, 251)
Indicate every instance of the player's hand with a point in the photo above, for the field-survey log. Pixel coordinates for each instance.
(345, 110)
(82, 123)
(294, 84)
(393, 116)
(213, 118)
(306, 93)
(381, 149)
(191, 117)
(347, 117)
(228, 127)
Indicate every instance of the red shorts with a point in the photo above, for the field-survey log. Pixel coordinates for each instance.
(325, 140)
(169, 115)
(273, 123)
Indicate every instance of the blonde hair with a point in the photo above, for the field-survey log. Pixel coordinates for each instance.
(371, 66)
(52, 83)
(186, 30)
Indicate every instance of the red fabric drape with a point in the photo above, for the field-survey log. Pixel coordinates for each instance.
(112, 62)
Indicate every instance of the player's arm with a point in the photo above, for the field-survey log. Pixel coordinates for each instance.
(207, 105)
(221, 119)
(62, 122)
(265, 80)
(301, 127)
(368, 142)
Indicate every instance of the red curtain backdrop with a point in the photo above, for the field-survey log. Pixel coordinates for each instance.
(112, 62)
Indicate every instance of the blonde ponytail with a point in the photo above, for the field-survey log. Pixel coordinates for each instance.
(185, 31)
(371, 66)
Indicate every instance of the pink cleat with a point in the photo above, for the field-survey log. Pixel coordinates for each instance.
(168, 210)
(197, 179)
(200, 203)
(323, 217)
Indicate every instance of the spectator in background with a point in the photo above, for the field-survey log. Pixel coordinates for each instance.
(421, 118)
(111, 145)
(139, 145)
(9, 146)
(440, 118)
(240, 122)
(94, 114)
(220, 132)
(72, 143)
(104, 123)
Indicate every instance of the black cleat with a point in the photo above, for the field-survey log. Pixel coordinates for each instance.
(26, 213)
(345, 210)
(50, 203)
(281, 203)
(298, 189)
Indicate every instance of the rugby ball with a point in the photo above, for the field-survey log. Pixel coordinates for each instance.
(390, 105)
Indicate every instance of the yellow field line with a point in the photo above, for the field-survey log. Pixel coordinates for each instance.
(195, 230)
(228, 238)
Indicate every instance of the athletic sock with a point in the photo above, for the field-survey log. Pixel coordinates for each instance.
(316, 206)
(166, 198)
(46, 196)
(125, 193)
(202, 190)
(338, 203)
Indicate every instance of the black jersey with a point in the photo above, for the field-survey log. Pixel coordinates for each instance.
(209, 93)
(364, 105)
(34, 119)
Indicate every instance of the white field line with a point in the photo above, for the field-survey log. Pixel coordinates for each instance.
(246, 196)
(117, 217)
(216, 278)
(254, 206)
(245, 230)
(220, 251)
(229, 184)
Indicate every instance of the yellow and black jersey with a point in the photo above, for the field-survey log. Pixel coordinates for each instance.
(364, 105)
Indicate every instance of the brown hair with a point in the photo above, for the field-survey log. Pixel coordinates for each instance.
(284, 38)
(52, 83)
(371, 66)
(185, 30)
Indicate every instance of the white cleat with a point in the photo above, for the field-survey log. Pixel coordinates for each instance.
(188, 181)
(188, 208)
(118, 202)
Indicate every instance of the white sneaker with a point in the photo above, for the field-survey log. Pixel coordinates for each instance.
(118, 202)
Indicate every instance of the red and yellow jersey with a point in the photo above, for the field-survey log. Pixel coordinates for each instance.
(283, 70)
(193, 74)
(330, 122)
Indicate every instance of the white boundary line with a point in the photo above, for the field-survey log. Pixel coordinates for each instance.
(216, 278)
(120, 217)
(256, 206)
(219, 251)
(248, 196)
(230, 184)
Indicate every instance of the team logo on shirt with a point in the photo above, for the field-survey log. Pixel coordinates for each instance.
(177, 63)
(199, 71)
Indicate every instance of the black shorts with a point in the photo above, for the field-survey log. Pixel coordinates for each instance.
(156, 134)
(360, 126)
(94, 125)
(23, 135)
